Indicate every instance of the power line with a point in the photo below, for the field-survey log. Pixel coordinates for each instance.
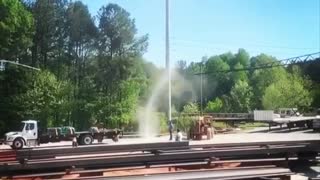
(180, 48)
(197, 42)
(284, 62)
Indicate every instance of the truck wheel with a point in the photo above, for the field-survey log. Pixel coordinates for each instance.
(115, 138)
(290, 125)
(100, 139)
(17, 144)
(87, 140)
(309, 124)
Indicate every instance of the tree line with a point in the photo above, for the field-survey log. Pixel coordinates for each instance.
(92, 70)
(228, 89)
(91, 67)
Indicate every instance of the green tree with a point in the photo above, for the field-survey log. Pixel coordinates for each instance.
(31, 95)
(227, 57)
(218, 81)
(311, 69)
(241, 57)
(240, 97)
(195, 81)
(260, 79)
(186, 118)
(81, 33)
(13, 81)
(214, 106)
(117, 33)
(41, 98)
(50, 32)
(290, 91)
(118, 65)
(239, 75)
(16, 29)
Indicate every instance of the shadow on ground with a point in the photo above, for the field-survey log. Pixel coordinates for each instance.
(308, 169)
(283, 130)
(312, 132)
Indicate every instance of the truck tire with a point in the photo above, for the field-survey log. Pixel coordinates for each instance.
(86, 140)
(309, 124)
(17, 144)
(290, 125)
(115, 138)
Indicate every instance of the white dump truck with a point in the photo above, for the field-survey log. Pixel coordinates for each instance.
(30, 134)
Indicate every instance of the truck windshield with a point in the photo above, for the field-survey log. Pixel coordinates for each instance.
(20, 128)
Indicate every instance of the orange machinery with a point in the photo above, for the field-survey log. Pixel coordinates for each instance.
(202, 127)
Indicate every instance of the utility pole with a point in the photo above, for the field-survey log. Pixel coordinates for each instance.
(201, 94)
(168, 61)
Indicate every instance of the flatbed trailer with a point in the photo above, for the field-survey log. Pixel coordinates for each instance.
(30, 134)
(311, 122)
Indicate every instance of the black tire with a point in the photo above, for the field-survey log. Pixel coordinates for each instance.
(115, 138)
(290, 125)
(100, 138)
(17, 143)
(86, 140)
(309, 124)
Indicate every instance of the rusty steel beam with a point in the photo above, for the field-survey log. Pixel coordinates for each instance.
(53, 152)
(224, 174)
(276, 149)
(89, 173)
(261, 143)
(142, 159)
(49, 152)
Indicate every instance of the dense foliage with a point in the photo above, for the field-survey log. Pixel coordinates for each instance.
(89, 73)
(225, 89)
(92, 71)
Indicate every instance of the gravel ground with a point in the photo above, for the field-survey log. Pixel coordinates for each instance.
(256, 135)
(262, 134)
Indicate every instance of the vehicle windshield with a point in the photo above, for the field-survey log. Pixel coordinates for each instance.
(20, 127)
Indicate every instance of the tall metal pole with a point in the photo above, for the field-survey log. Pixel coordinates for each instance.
(168, 60)
(201, 95)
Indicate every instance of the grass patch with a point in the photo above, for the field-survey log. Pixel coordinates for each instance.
(220, 125)
(248, 126)
(241, 125)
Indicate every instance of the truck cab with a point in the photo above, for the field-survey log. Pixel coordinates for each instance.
(26, 134)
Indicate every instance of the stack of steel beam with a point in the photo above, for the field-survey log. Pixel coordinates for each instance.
(167, 154)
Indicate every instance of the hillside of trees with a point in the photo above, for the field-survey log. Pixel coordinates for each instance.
(92, 70)
(225, 89)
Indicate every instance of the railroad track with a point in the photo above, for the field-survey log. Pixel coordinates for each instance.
(152, 154)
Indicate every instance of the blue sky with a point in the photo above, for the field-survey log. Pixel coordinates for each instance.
(281, 28)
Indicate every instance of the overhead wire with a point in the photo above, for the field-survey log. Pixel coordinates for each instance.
(284, 62)
(221, 44)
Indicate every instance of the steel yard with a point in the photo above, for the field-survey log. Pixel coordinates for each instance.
(163, 159)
